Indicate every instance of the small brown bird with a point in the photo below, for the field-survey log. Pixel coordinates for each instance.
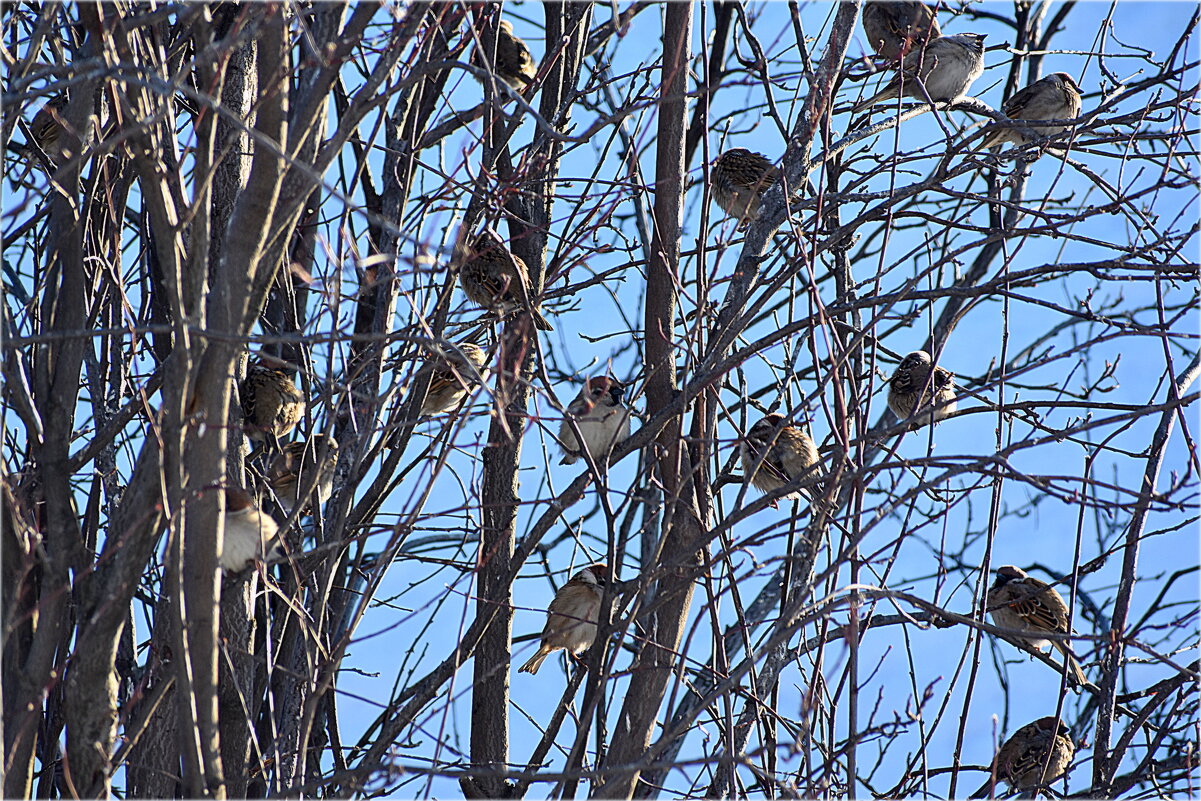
(1055, 97)
(47, 126)
(1036, 755)
(452, 378)
(250, 534)
(946, 68)
(493, 277)
(294, 468)
(740, 177)
(917, 385)
(1030, 607)
(775, 453)
(893, 29)
(514, 63)
(602, 419)
(271, 404)
(571, 618)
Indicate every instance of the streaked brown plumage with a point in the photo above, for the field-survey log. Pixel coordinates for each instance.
(493, 277)
(1055, 97)
(1036, 755)
(272, 405)
(947, 67)
(515, 64)
(293, 469)
(601, 417)
(893, 29)
(250, 534)
(913, 387)
(740, 177)
(787, 454)
(47, 126)
(571, 617)
(452, 376)
(1030, 607)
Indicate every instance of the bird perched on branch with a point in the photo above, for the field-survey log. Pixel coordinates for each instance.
(456, 372)
(272, 405)
(47, 126)
(250, 534)
(514, 64)
(1036, 755)
(776, 453)
(894, 29)
(571, 618)
(740, 177)
(1031, 608)
(493, 277)
(918, 385)
(1055, 97)
(298, 465)
(946, 69)
(601, 417)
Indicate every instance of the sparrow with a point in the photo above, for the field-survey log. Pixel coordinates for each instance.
(787, 454)
(1036, 755)
(1031, 607)
(491, 276)
(893, 29)
(514, 64)
(47, 126)
(452, 377)
(602, 419)
(918, 385)
(250, 534)
(946, 68)
(293, 470)
(1055, 97)
(271, 404)
(740, 177)
(571, 618)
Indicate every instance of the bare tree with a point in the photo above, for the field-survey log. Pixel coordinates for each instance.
(193, 188)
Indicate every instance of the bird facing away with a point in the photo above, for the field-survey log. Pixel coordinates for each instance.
(492, 277)
(775, 453)
(571, 618)
(918, 385)
(250, 534)
(271, 404)
(514, 64)
(946, 69)
(893, 29)
(602, 419)
(453, 377)
(1036, 755)
(1029, 608)
(47, 126)
(740, 177)
(1055, 97)
(295, 466)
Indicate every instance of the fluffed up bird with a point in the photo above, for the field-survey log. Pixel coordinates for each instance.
(894, 29)
(571, 618)
(946, 69)
(272, 405)
(1031, 608)
(602, 419)
(1036, 755)
(47, 126)
(297, 466)
(776, 453)
(1055, 97)
(917, 385)
(453, 376)
(250, 534)
(513, 64)
(492, 277)
(740, 177)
